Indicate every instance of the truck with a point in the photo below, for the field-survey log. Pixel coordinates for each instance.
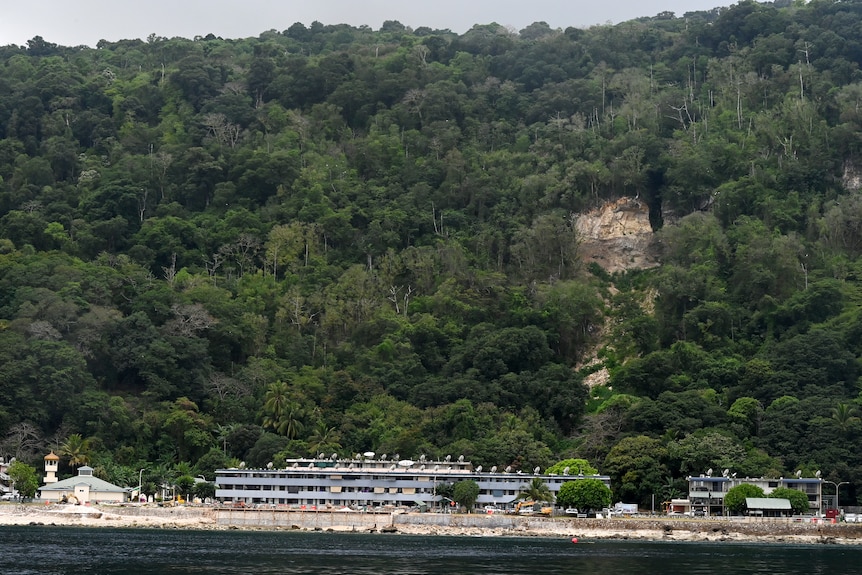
(625, 509)
(531, 508)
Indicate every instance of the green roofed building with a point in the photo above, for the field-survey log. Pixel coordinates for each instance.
(82, 489)
(768, 507)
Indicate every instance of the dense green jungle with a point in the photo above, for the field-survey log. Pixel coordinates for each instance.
(335, 239)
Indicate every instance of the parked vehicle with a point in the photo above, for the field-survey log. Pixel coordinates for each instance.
(531, 507)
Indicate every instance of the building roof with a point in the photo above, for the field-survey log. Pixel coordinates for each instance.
(52, 457)
(767, 503)
(84, 477)
(722, 479)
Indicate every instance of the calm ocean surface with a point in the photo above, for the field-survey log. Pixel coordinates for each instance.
(40, 550)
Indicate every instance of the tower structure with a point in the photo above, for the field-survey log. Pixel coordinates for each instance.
(52, 464)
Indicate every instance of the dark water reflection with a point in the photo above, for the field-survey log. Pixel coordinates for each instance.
(36, 550)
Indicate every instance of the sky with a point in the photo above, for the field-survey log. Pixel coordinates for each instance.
(85, 22)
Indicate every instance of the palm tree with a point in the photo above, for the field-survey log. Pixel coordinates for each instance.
(845, 416)
(275, 403)
(536, 490)
(290, 425)
(224, 431)
(323, 438)
(670, 489)
(77, 449)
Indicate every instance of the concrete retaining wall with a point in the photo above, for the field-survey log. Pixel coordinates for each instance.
(358, 521)
(178, 512)
(302, 519)
(362, 521)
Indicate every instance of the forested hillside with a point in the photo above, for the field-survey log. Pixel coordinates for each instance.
(332, 239)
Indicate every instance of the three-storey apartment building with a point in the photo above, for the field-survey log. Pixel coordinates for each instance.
(375, 482)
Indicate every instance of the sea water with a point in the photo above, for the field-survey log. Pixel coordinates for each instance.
(44, 550)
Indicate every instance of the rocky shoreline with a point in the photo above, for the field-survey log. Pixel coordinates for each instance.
(647, 529)
(667, 530)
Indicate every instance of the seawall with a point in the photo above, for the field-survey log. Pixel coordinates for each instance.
(500, 524)
(366, 521)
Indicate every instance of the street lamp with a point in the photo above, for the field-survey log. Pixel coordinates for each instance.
(837, 487)
(140, 482)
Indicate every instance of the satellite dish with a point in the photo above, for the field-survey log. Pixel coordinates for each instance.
(733, 474)
(357, 456)
(422, 467)
(460, 459)
(566, 471)
(242, 464)
(509, 469)
(494, 469)
(383, 457)
(537, 470)
(422, 457)
(479, 469)
(311, 466)
(725, 472)
(798, 473)
(448, 458)
(368, 454)
(709, 472)
(334, 456)
(320, 456)
(392, 467)
(405, 463)
(295, 464)
(395, 457)
(269, 465)
(436, 467)
(817, 475)
(350, 466)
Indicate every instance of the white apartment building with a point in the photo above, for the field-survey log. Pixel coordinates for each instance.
(706, 492)
(326, 483)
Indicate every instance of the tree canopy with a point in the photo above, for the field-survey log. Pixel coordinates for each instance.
(335, 238)
(734, 499)
(465, 493)
(584, 495)
(798, 500)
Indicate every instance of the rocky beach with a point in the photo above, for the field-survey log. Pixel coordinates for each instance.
(649, 529)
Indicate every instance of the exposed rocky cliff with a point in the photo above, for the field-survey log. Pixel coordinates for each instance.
(618, 236)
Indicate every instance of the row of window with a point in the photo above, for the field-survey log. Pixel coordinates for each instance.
(420, 478)
(347, 489)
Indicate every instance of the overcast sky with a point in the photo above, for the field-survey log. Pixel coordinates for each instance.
(76, 22)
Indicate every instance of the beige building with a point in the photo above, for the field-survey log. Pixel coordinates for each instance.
(82, 489)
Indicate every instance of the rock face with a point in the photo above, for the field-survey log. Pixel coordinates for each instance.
(617, 236)
(852, 177)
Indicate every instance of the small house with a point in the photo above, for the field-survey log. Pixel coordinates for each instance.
(768, 507)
